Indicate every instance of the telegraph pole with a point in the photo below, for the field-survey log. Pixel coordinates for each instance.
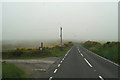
(61, 37)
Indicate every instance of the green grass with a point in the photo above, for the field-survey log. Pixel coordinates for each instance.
(34, 54)
(57, 52)
(11, 71)
(107, 50)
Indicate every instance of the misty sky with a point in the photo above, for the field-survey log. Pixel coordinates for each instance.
(42, 20)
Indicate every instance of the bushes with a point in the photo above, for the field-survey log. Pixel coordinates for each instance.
(34, 52)
(23, 53)
(108, 50)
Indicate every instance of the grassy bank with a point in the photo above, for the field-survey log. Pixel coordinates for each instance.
(34, 54)
(108, 50)
(11, 71)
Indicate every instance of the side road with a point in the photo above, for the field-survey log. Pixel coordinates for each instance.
(36, 68)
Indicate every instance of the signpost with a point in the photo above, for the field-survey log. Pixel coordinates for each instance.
(41, 47)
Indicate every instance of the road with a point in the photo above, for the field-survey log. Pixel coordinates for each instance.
(81, 63)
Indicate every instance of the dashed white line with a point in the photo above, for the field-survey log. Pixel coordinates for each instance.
(63, 59)
(58, 65)
(65, 54)
(101, 77)
(60, 61)
(88, 62)
(55, 70)
(69, 51)
(50, 78)
(79, 50)
(81, 54)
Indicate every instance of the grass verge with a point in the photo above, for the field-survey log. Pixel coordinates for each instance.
(11, 71)
(107, 50)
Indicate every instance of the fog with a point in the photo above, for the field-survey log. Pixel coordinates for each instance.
(97, 21)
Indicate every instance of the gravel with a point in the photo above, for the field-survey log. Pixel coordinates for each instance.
(35, 68)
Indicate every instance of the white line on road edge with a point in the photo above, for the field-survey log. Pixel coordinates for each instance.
(81, 54)
(63, 59)
(50, 78)
(60, 61)
(104, 58)
(101, 77)
(88, 62)
(58, 65)
(55, 71)
(67, 52)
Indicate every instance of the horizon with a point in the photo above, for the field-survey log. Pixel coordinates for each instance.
(95, 21)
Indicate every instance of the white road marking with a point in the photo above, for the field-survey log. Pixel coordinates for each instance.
(39, 69)
(81, 54)
(65, 54)
(88, 62)
(50, 78)
(101, 77)
(103, 58)
(94, 70)
(55, 71)
(60, 61)
(80, 51)
(63, 59)
(58, 65)
(69, 51)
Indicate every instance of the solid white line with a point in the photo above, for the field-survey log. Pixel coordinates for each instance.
(58, 65)
(50, 78)
(81, 54)
(60, 61)
(101, 77)
(55, 71)
(103, 58)
(88, 62)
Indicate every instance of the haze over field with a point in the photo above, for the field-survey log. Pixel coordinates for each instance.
(41, 21)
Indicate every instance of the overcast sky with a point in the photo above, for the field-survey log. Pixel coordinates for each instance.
(42, 20)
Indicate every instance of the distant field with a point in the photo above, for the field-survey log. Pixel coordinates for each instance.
(11, 45)
(108, 50)
(11, 71)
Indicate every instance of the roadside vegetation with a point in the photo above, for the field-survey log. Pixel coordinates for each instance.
(11, 71)
(108, 50)
(34, 53)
